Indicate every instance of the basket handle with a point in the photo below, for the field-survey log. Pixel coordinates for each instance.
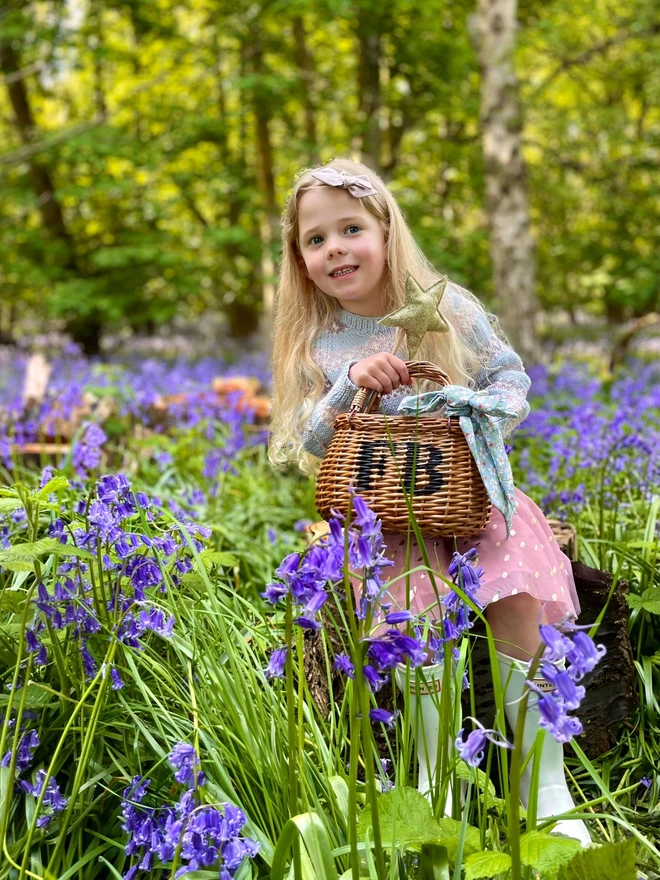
(366, 399)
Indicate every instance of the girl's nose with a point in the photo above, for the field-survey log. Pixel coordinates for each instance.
(334, 247)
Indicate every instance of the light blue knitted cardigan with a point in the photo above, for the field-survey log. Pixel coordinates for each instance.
(351, 338)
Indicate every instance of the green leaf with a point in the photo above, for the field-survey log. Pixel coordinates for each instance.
(473, 773)
(433, 863)
(450, 832)
(218, 557)
(612, 861)
(51, 486)
(486, 864)
(21, 557)
(9, 505)
(410, 814)
(340, 791)
(317, 847)
(548, 853)
(648, 601)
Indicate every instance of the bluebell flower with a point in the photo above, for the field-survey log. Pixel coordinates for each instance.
(57, 530)
(565, 687)
(396, 617)
(276, 663)
(557, 645)
(25, 753)
(145, 573)
(583, 655)
(471, 750)
(52, 799)
(183, 758)
(308, 623)
(382, 716)
(563, 727)
(344, 664)
(274, 592)
(373, 678)
(89, 664)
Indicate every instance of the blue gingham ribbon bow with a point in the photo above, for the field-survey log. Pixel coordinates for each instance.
(479, 414)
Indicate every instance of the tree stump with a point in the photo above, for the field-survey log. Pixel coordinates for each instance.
(611, 692)
(610, 696)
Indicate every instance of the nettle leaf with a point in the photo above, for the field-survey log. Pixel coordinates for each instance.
(648, 601)
(611, 861)
(450, 831)
(486, 864)
(218, 557)
(483, 781)
(411, 813)
(21, 557)
(548, 853)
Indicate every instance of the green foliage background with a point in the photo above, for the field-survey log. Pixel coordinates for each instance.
(169, 134)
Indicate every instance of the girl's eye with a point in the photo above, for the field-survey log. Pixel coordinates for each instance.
(352, 228)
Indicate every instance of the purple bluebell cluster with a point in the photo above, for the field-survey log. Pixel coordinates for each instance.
(579, 655)
(87, 451)
(158, 394)
(52, 802)
(25, 753)
(205, 836)
(310, 576)
(115, 595)
(581, 428)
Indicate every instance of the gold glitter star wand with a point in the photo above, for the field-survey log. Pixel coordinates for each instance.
(418, 314)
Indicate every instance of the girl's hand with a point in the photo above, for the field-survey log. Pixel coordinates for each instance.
(381, 372)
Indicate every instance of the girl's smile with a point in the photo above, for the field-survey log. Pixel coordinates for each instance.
(343, 248)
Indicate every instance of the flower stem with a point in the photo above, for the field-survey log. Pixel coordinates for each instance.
(292, 732)
(513, 806)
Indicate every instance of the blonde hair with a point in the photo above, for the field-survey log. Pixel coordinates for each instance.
(303, 312)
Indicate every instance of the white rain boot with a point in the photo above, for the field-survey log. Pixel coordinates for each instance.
(425, 714)
(554, 797)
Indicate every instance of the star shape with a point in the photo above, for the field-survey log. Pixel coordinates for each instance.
(419, 312)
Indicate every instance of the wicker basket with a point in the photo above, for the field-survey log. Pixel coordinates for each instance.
(449, 498)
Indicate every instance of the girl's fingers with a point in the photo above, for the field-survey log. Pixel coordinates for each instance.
(371, 382)
(402, 371)
(388, 378)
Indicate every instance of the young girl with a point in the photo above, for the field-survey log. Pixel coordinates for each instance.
(346, 250)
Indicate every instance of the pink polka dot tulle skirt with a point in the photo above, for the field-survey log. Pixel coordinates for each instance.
(527, 561)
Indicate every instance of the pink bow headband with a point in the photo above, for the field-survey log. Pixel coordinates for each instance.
(357, 186)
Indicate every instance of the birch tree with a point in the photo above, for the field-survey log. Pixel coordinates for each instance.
(511, 244)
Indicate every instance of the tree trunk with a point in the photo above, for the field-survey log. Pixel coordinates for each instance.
(369, 32)
(270, 221)
(511, 243)
(42, 183)
(306, 73)
(242, 314)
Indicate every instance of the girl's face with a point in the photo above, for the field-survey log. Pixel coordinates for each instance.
(343, 248)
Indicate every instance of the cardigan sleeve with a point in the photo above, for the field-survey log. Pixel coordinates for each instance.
(321, 425)
(501, 371)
